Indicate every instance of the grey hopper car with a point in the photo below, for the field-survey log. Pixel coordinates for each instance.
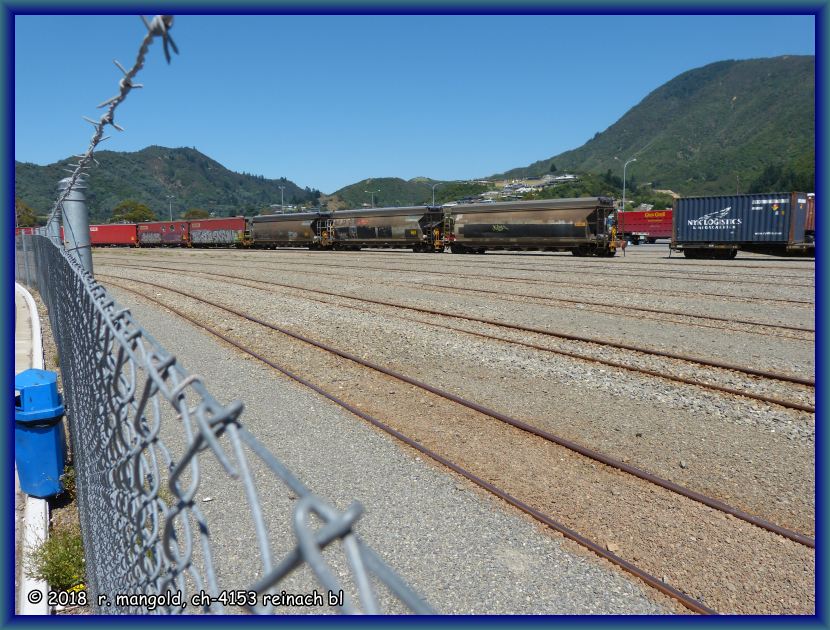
(578, 225)
(298, 229)
(416, 227)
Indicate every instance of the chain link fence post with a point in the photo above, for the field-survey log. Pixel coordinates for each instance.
(76, 222)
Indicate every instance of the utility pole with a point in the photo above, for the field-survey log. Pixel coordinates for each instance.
(282, 206)
(433, 193)
(170, 199)
(372, 192)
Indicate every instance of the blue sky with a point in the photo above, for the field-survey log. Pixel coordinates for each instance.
(330, 100)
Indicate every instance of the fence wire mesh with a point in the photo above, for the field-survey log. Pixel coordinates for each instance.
(169, 481)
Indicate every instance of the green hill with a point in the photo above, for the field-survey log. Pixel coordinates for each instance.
(393, 191)
(150, 175)
(710, 130)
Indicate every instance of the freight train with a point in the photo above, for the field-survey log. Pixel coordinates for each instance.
(583, 226)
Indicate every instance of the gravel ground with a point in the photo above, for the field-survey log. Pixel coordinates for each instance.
(707, 441)
(743, 348)
(453, 545)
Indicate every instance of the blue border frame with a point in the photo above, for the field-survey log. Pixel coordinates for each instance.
(819, 8)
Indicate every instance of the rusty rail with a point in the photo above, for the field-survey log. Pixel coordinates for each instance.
(684, 599)
(519, 424)
(681, 357)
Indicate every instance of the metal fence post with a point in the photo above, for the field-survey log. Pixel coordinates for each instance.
(76, 223)
(53, 230)
(26, 261)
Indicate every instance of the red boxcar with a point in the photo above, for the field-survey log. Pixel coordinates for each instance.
(156, 233)
(24, 230)
(226, 232)
(113, 235)
(645, 225)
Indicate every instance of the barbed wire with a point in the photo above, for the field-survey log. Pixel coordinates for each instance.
(159, 26)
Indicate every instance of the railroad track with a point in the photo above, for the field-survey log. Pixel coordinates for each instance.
(747, 371)
(770, 329)
(583, 264)
(539, 515)
(529, 281)
(602, 272)
(514, 279)
(635, 312)
(565, 264)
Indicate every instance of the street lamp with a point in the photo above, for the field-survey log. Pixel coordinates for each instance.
(372, 192)
(170, 199)
(282, 208)
(624, 167)
(433, 193)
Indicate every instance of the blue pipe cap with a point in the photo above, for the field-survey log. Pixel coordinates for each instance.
(36, 396)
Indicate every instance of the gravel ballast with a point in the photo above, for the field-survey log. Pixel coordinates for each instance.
(457, 548)
(756, 456)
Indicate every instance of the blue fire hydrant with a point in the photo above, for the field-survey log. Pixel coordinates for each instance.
(39, 446)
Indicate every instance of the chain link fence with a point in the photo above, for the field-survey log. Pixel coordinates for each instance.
(145, 435)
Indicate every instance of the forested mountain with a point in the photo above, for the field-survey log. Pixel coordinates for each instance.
(711, 130)
(150, 175)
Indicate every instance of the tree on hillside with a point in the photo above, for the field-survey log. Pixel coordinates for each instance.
(552, 168)
(131, 211)
(780, 178)
(196, 213)
(24, 215)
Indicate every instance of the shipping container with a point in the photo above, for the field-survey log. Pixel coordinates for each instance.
(644, 225)
(113, 235)
(227, 232)
(719, 226)
(157, 233)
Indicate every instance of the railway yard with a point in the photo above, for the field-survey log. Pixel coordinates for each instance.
(652, 417)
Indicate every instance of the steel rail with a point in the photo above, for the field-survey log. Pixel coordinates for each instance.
(515, 279)
(571, 266)
(519, 424)
(592, 303)
(680, 357)
(506, 297)
(684, 599)
(589, 262)
(609, 362)
(572, 284)
(603, 273)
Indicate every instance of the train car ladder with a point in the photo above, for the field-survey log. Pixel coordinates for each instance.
(446, 236)
(324, 232)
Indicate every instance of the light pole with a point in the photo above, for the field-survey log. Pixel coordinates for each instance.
(624, 167)
(282, 207)
(372, 192)
(433, 193)
(170, 199)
